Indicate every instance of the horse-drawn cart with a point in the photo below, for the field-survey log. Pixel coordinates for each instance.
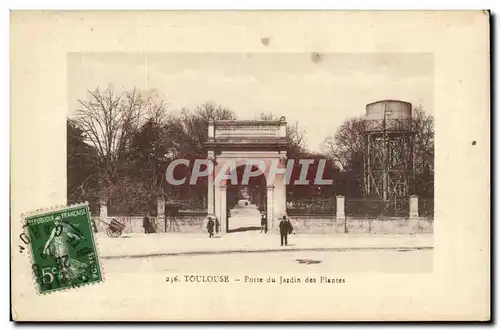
(115, 228)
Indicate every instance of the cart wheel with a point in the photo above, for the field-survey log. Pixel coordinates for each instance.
(113, 233)
(109, 232)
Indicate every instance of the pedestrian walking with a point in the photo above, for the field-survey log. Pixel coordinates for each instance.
(217, 225)
(286, 228)
(210, 227)
(146, 223)
(263, 223)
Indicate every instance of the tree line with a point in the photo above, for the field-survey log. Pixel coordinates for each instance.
(120, 144)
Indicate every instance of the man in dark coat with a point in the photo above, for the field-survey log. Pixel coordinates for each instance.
(146, 223)
(263, 223)
(286, 228)
(210, 227)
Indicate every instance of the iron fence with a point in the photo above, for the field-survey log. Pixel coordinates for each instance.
(312, 206)
(190, 204)
(373, 208)
(426, 207)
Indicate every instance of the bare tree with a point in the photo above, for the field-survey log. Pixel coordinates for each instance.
(191, 127)
(294, 136)
(107, 121)
(81, 165)
(423, 130)
(188, 131)
(346, 146)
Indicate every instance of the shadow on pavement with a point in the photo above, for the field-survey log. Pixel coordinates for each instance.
(308, 261)
(248, 228)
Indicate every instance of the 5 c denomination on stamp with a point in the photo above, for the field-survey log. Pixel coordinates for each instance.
(63, 249)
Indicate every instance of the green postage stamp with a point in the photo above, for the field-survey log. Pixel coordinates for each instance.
(63, 249)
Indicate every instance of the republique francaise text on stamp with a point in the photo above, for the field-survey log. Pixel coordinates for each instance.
(63, 249)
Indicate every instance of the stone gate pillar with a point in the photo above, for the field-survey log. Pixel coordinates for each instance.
(271, 221)
(217, 200)
(210, 187)
(413, 206)
(103, 212)
(279, 196)
(340, 206)
(160, 207)
(279, 187)
(223, 209)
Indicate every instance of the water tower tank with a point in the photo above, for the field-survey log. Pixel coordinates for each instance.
(388, 150)
(388, 115)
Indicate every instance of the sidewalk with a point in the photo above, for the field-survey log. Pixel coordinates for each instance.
(134, 245)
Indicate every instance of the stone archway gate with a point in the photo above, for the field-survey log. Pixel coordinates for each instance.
(238, 142)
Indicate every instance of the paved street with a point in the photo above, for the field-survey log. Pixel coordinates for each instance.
(244, 217)
(164, 244)
(348, 261)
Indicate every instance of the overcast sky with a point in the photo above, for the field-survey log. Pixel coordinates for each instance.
(319, 91)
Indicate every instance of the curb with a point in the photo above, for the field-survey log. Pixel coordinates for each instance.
(333, 249)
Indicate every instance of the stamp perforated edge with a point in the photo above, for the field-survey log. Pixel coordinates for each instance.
(56, 208)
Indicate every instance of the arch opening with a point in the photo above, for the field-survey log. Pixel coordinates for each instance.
(245, 202)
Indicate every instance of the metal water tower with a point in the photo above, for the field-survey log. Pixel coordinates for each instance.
(388, 156)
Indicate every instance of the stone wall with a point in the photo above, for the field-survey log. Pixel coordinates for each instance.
(133, 224)
(330, 225)
(316, 224)
(302, 224)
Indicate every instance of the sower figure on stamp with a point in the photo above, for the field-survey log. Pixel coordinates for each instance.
(286, 228)
(210, 227)
(58, 246)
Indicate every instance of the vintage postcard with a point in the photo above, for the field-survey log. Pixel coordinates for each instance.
(250, 166)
